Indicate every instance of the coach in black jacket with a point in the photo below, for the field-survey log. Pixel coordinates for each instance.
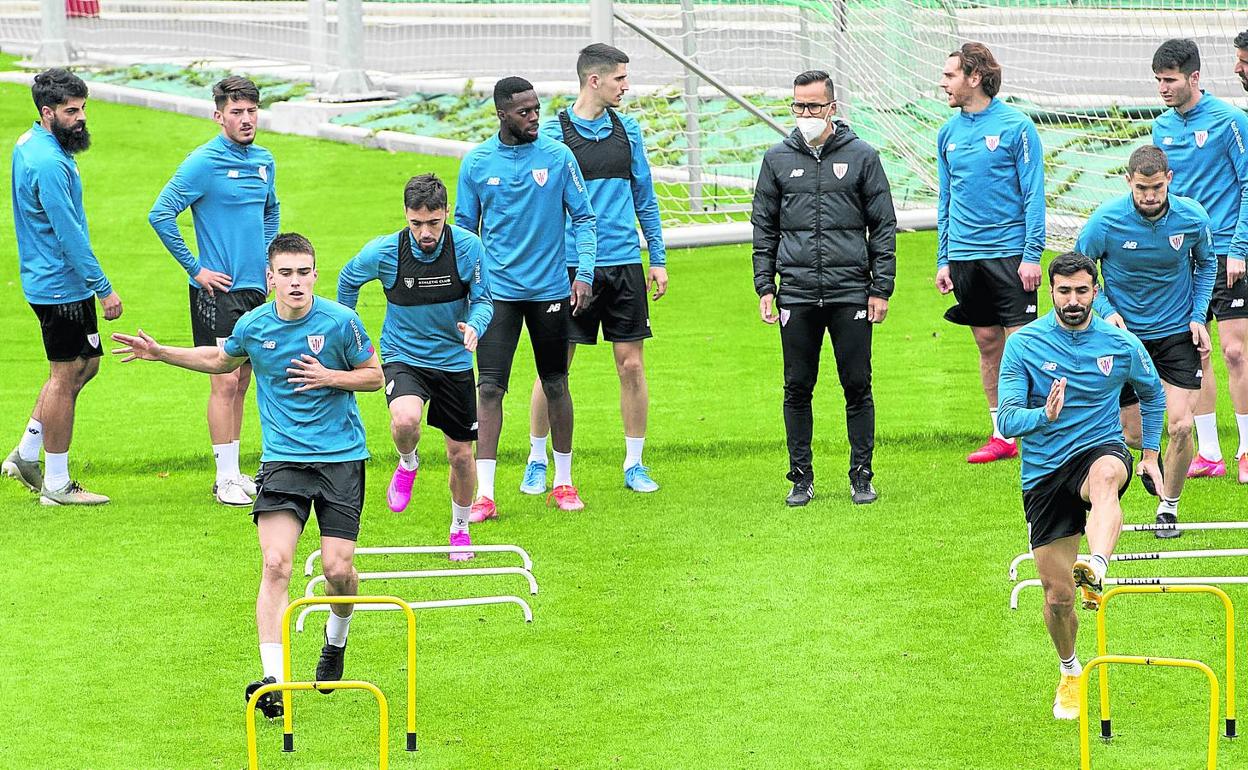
(824, 223)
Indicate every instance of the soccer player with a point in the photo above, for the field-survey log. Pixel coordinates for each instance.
(228, 184)
(824, 223)
(609, 150)
(1061, 377)
(1157, 264)
(989, 218)
(310, 355)
(1204, 138)
(516, 189)
(61, 278)
(437, 307)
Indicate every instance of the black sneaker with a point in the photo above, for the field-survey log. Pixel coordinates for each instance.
(861, 491)
(1167, 534)
(803, 491)
(269, 704)
(329, 667)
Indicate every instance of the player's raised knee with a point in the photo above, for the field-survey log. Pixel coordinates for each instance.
(337, 570)
(1108, 471)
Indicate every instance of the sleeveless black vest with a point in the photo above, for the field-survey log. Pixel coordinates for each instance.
(610, 158)
(427, 283)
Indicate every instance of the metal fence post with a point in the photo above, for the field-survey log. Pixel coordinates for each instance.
(693, 132)
(602, 21)
(54, 50)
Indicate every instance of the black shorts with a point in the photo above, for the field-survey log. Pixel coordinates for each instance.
(334, 490)
(1228, 303)
(450, 397)
(619, 305)
(1176, 360)
(990, 293)
(69, 330)
(548, 331)
(213, 315)
(1054, 508)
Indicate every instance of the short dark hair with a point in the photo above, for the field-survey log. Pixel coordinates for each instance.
(1070, 263)
(598, 58)
(54, 87)
(507, 88)
(1148, 160)
(817, 76)
(1241, 40)
(976, 58)
(235, 88)
(425, 192)
(291, 243)
(1177, 54)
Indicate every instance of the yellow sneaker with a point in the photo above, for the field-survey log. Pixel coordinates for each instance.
(1087, 581)
(1066, 702)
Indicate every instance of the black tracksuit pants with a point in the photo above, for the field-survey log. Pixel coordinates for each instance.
(801, 337)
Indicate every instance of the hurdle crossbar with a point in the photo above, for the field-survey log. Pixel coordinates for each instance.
(1085, 748)
(434, 573)
(1140, 581)
(471, 601)
(1196, 525)
(526, 560)
(383, 709)
(1102, 644)
(1212, 553)
(288, 736)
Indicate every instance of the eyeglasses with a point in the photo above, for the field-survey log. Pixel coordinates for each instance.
(812, 107)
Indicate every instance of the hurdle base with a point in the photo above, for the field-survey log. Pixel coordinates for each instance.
(411, 741)
(288, 742)
(1230, 729)
(1107, 731)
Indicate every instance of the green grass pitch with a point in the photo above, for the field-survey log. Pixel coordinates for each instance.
(706, 626)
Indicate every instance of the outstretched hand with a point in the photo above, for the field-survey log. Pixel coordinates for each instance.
(1057, 397)
(140, 346)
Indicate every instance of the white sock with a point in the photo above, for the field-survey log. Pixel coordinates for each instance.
(459, 517)
(1168, 505)
(1242, 421)
(537, 450)
(485, 478)
(336, 629)
(226, 456)
(632, 451)
(1100, 565)
(1071, 666)
(237, 454)
(563, 469)
(1207, 436)
(32, 441)
(409, 461)
(271, 660)
(996, 432)
(55, 470)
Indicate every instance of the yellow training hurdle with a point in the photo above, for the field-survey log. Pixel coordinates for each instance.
(288, 737)
(253, 757)
(1102, 644)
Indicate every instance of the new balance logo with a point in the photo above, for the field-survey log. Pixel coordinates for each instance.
(861, 314)
(1167, 140)
(796, 172)
(1030, 309)
(554, 308)
(494, 181)
(1130, 245)
(268, 344)
(1049, 366)
(1237, 302)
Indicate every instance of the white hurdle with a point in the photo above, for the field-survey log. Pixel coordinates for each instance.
(428, 605)
(523, 554)
(1140, 581)
(1181, 527)
(434, 573)
(1213, 553)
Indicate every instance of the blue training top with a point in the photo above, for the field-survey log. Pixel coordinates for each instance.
(1157, 274)
(321, 425)
(516, 199)
(619, 204)
(1096, 363)
(1206, 150)
(423, 335)
(230, 191)
(990, 171)
(53, 246)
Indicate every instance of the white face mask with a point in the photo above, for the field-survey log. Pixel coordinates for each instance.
(812, 128)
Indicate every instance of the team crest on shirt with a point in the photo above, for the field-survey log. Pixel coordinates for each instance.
(840, 169)
(540, 175)
(264, 173)
(1201, 137)
(1176, 241)
(992, 142)
(1105, 364)
(316, 342)
(409, 282)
